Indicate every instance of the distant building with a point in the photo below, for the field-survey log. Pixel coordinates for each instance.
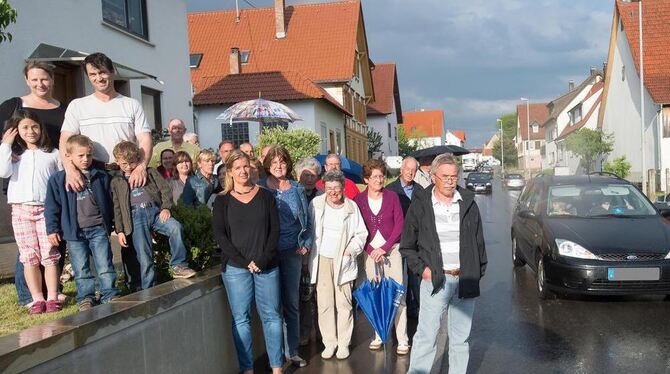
(530, 147)
(455, 137)
(425, 127)
(385, 113)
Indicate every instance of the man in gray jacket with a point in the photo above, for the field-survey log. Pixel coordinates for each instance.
(443, 243)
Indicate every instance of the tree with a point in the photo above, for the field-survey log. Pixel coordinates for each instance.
(300, 143)
(7, 17)
(589, 145)
(405, 146)
(509, 151)
(509, 126)
(374, 142)
(619, 166)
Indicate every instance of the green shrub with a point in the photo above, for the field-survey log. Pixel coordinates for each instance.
(300, 143)
(198, 240)
(619, 166)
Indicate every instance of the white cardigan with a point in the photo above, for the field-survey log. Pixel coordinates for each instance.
(28, 176)
(351, 241)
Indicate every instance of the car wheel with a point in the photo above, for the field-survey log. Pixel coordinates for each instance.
(542, 290)
(516, 260)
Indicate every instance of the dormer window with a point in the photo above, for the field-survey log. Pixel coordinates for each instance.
(195, 59)
(536, 128)
(575, 114)
(244, 57)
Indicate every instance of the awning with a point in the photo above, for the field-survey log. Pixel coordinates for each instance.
(49, 53)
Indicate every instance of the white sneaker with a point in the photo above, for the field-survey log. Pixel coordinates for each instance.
(403, 349)
(342, 353)
(328, 353)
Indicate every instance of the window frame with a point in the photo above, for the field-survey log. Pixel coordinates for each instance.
(126, 28)
(237, 132)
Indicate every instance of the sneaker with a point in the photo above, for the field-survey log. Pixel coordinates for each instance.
(342, 353)
(182, 271)
(375, 345)
(298, 361)
(403, 349)
(53, 306)
(328, 353)
(85, 305)
(38, 307)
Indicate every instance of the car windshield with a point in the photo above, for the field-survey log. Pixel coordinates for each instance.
(606, 200)
(478, 177)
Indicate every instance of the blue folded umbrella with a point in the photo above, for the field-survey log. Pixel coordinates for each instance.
(350, 168)
(379, 301)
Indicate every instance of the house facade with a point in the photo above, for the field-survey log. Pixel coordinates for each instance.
(530, 147)
(148, 42)
(455, 137)
(622, 104)
(576, 109)
(385, 113)
(424, 127)
(318, 53)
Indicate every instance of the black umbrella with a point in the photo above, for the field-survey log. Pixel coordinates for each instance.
(438, 150)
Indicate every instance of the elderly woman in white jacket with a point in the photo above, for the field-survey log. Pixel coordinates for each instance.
(339, 237)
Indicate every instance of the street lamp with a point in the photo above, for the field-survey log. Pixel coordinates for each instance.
(527, 152)
(644, 173)
(502, 147)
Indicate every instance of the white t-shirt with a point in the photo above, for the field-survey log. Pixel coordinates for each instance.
(106, 123)
(448, 225)
(333, 224)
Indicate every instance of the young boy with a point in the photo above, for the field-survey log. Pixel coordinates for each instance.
(84, 220)
(143, 209)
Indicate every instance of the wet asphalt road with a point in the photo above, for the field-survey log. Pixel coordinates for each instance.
(515, 332)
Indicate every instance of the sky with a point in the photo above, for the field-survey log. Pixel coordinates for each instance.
(475, 59)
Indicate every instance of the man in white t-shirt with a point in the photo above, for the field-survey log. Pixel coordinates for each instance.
(107, 118)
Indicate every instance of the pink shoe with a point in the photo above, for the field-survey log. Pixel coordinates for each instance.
(38, 307)
(53, 306)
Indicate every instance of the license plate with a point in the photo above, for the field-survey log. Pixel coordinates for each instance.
(479, 188)
(633, 274)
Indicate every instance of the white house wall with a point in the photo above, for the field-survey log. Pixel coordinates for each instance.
(78, 25)
(379, 123)
(333, 118)
(622, 112)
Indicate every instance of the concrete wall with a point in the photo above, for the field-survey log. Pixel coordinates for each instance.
(182, 326)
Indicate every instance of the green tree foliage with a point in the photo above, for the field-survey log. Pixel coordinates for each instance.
(509, 126)
(374, 142)
(7, 17)
(619, 166)
(405, 146)
(300, 143)
(589, 145)
(510, 151)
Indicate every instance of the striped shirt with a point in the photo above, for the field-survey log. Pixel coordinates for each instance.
(448, 226)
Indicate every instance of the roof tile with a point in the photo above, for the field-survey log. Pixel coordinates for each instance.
(538, 113)
(425, 123)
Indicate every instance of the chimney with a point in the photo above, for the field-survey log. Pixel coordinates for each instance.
(593, 70)
(571, 86)
(234, 61)
(280, 24)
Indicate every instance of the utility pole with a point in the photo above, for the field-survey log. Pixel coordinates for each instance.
(502, 147)
(527, 152)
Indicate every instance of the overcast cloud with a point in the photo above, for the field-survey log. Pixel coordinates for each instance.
(474, 59)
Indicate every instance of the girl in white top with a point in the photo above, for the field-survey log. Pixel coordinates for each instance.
(26, 139)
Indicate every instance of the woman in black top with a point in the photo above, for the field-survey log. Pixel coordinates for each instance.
(39, 78)
(246, 228)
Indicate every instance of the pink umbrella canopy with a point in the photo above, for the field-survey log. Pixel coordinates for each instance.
(259, 110)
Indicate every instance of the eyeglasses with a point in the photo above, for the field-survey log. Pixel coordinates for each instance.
(278, 163)
(381, 177)
(447, 178)
(333, 189)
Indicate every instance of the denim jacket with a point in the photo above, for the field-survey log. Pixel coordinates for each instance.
(305, 238)
(197, 189)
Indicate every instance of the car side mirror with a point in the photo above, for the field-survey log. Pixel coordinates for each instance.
(665, 212)
(528, 214)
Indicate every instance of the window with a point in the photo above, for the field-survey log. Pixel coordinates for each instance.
(151, 103)
(129, 15)
(389, 128)
(338, 141)
(665, 119)
(529, 145)
(537, 144)
(195, 59)
(244, 57)
(575, 114)
(324, 138)
(536, 128)
(238, 132)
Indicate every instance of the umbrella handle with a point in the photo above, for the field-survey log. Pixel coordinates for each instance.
(379, 270)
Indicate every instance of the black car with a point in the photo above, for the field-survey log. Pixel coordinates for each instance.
(591, 234)
(478, 182)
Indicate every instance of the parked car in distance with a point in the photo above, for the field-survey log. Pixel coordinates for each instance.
(514, 182)
(486, 169)
(479, 182)
(591, 234)
(469, 163)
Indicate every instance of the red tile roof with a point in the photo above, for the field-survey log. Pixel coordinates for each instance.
(459, 134)
(656, 33)
(320, 41)
(487, 152)
(425, 123)
(538, 113)
(384, 80)
(568, 129)
(275, 85)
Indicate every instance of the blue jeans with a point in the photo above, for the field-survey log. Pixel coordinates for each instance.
(242, 288)
(459, 322)
(144, 221)
(95, 244)
(290, 270)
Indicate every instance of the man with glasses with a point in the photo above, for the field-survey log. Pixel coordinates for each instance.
(443, 242)
(333, 162)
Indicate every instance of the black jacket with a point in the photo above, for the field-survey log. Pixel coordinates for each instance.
(396, 187)
(420, 244)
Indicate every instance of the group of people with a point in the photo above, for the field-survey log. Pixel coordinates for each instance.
(276, 223)
(323, 228)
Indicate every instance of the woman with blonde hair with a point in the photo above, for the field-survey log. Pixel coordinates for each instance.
(246, 228)
(199, 187)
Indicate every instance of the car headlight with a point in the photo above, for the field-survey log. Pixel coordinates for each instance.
(488, 183)
(469, 184)
(572, 249)
(667, 257)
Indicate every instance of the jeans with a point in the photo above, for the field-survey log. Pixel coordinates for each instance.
(243, 288)
(144, 221)
(290, 270)
(459, 323)
(22, 290)
(95, 244)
